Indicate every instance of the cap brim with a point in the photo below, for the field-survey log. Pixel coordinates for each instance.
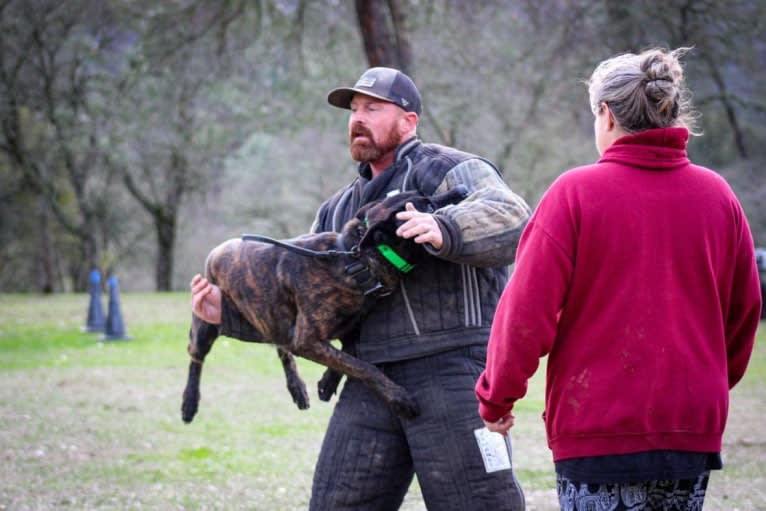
(342, 96)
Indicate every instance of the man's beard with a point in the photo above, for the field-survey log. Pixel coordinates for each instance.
(368, 150)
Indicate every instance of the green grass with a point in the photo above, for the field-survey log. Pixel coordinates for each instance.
(95, 425)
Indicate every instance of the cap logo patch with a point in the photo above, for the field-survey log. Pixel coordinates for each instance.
(405, 102)
(366, 81)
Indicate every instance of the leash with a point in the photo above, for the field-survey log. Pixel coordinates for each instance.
(354, 268)
(320, 254)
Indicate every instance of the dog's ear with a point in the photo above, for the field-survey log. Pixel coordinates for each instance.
(380, 217)
(451, 196)
(432, 203)
(361, 213)
(379, 232)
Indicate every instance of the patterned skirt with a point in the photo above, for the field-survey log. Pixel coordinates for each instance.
(678, 495)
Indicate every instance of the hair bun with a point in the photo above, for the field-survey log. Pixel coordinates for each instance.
(643, 91)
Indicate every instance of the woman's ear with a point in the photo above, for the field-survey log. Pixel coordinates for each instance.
(610, 122)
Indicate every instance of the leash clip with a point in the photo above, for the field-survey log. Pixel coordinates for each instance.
(378, 291)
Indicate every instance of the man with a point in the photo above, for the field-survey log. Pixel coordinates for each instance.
(430, 336)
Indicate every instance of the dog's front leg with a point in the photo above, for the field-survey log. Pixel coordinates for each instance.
(328, 384)
(295, 384)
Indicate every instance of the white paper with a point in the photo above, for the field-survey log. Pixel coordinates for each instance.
(494, 450)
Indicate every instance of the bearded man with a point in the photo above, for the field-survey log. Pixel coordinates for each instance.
(430, 336)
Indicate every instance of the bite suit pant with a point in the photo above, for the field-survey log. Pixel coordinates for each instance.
(369, 455)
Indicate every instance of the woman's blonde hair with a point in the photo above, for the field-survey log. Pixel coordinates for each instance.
(644, 91)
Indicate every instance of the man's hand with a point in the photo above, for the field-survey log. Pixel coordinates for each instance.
(422, 226)
(206, 300)
(502, 426)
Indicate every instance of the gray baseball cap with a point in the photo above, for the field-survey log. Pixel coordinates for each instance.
(383, 83)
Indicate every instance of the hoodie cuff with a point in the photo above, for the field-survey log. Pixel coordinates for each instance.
(492, 413)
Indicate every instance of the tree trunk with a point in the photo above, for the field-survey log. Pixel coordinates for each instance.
(381, 24)
(46, 268)
(166, 238)
(731, 114)
(79, 271)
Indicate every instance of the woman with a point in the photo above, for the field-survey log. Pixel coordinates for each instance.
(636, 276)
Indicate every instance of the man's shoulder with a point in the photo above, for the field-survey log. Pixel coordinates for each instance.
(436, 157)
(446, 153)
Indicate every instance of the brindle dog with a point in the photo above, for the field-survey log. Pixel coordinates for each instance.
(301, 302)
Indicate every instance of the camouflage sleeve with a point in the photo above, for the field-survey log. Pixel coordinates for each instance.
(484, 229)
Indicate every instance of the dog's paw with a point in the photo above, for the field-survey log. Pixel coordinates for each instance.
(328, 385)
(406, 409)
(404, 406)
(189, 409)
(300, 395)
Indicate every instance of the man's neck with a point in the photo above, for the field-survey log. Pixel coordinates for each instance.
(377, 167)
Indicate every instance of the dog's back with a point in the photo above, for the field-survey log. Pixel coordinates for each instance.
(269, 284)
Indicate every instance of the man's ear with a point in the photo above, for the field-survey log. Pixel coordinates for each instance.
(408, 124)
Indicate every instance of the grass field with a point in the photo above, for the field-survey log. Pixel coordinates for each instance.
(93, 425)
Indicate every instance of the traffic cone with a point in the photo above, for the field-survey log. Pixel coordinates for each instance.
(115, 328)
(95, 321)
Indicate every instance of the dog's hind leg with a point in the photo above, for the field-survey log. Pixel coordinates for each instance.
(295, 384)
(201, 338)
(308, 344)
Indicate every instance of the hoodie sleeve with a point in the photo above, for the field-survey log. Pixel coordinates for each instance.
(525, 323)
(484, 229)
(744, 312)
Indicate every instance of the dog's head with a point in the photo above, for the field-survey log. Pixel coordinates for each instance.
(381, 222)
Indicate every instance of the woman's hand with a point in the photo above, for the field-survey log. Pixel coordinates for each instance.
(502, 426)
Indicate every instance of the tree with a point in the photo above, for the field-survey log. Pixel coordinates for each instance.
(52, 63)
(383, 31)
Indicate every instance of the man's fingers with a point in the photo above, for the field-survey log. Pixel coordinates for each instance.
(198, 285)
(408, 213)
(200, 290)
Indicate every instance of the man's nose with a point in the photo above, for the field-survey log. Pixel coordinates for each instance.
(356, 125)
(357, 117)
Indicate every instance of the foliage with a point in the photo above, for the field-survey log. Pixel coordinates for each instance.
(135, 136)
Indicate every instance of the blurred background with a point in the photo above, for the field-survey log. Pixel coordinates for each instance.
(137, 135)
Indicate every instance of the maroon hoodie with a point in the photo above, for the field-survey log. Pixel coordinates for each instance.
(636, 276)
